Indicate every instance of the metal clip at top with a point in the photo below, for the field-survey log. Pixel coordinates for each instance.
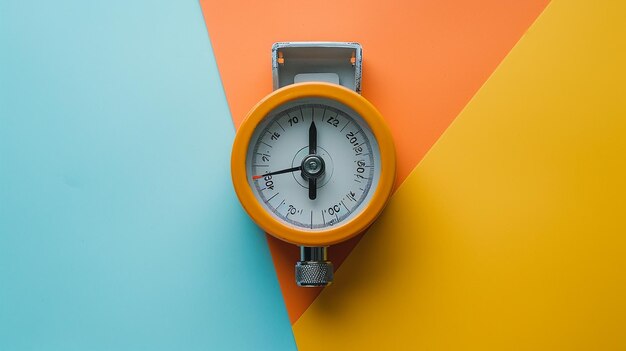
(333, 62)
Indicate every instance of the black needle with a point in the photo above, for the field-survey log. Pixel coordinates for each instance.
(293, 169)
(312, 151)
(312, 139)
(312, 188)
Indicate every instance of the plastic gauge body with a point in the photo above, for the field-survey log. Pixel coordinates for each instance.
(313, 164)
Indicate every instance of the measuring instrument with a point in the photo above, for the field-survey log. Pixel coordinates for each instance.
(313, 163)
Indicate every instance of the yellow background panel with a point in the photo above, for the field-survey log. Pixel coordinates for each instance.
(511, 234)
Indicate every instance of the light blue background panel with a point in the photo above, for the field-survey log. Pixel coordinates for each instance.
(119, 227)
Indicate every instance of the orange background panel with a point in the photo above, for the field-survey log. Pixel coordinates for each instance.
(422, 63)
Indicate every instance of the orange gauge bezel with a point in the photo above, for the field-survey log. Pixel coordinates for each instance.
(343, 231)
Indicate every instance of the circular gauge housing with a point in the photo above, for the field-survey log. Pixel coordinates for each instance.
(313, 164)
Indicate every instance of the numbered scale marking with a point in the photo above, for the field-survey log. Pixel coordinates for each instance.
(313, 164)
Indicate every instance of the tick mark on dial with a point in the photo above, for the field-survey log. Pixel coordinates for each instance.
(281, 127)
(344, 205)
(344, 127)
(273, 196)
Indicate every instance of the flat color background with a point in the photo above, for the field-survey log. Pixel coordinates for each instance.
(119, 229)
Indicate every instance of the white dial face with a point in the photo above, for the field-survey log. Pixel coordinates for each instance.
(338, 177)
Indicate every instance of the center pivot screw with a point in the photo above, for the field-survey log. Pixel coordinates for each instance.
(312, 166)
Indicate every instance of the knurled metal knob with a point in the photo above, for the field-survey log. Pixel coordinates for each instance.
(314, 273)
(314, 269)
